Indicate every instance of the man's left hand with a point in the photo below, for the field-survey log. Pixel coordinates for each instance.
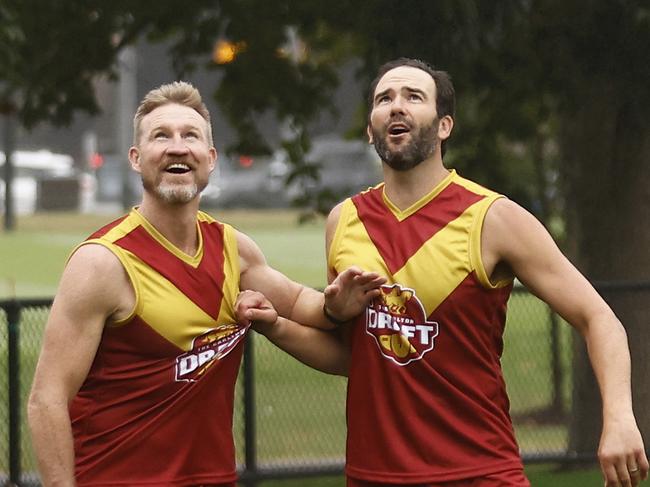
(351, 291)
(252, 307)
(621, 454)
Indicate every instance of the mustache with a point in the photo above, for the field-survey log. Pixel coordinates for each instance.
(398, 118)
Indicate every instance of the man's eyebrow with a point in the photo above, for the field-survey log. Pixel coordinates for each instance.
(382, 93)
(167, 125)
(415, 90)
(405, 88)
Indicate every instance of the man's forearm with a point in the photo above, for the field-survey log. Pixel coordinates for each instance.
(610, 359)
(319, 349)
(52, 443)
(345, 297)
(308, 310)
(621, 452)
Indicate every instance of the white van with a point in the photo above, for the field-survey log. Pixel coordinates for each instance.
(31, 167)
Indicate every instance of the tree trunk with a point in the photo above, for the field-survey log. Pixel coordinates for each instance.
(605, 145)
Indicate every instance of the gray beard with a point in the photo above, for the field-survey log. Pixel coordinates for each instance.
(171, 193)
(422, 145)
(177, 194)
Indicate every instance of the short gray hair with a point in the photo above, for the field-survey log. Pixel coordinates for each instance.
(179, 92)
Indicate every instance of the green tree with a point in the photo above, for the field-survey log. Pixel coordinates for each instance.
(265, 76)
(51, 53)
(46, 71)
(597, 66)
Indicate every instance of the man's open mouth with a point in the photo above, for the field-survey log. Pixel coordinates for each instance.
(178, 168)
(398, 129)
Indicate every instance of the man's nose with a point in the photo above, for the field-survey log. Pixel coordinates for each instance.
(177, 145)
(397, 105)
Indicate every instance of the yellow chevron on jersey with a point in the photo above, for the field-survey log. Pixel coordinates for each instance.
(417, 245)
(172, 287)
(168, 371)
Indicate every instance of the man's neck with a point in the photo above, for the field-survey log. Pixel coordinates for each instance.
(404, 188)
(177, 223)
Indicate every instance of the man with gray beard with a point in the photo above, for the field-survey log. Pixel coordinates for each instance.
(135, 382)
(427, 402)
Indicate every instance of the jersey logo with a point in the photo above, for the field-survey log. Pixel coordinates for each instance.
(397, 321)
(212, 345)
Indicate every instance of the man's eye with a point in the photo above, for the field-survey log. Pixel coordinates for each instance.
(415, 97)
(160, 135)
(191, 135)
(383, 99)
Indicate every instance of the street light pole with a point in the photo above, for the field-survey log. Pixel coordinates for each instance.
(127, 103)
(9, 135)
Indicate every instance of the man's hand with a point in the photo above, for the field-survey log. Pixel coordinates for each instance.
(350, 293)
(622, 455)
(252, 307)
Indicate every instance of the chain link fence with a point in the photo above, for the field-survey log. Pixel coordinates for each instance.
(290, 419)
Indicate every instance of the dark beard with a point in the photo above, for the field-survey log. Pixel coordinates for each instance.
(422, 145)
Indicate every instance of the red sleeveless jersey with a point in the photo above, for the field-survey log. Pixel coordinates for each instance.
(156, 407)
(426, 397)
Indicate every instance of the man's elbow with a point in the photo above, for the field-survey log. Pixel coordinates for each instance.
(340, 372)
(340, 366)
(36, 405)
(40, 404)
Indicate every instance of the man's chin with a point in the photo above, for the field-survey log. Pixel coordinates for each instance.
(177, 195)
(398, 141)
(399, 163)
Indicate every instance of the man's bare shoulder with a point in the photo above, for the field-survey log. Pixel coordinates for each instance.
(505, 217)
(250, 255)
(95, 279)
(335, 213)
(513, 235)
(333, 220)
(94, 257)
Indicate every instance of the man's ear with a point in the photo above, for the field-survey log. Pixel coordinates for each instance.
(369, 132)
(445, 127)
(214, 155)
(134, 158)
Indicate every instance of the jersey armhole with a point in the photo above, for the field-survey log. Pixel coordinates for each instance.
(475, 256)
(119, 253)
(344, 216)
(232, 272)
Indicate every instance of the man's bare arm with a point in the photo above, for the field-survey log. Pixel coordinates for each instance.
(345, 297)
(319, 349)
(513, 236)
(73, 331)
(327, 351)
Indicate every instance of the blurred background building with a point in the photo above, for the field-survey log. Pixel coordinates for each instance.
(95, 147)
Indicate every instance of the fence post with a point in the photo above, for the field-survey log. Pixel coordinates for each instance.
(250, 434)
(12, 309)
(557, 406)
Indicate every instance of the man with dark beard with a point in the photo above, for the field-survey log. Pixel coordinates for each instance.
(427, 402)
(135, 382)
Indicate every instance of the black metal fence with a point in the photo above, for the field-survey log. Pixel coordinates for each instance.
(290, 420)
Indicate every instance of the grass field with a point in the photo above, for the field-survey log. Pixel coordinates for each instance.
(300, 413)
(32, 258)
